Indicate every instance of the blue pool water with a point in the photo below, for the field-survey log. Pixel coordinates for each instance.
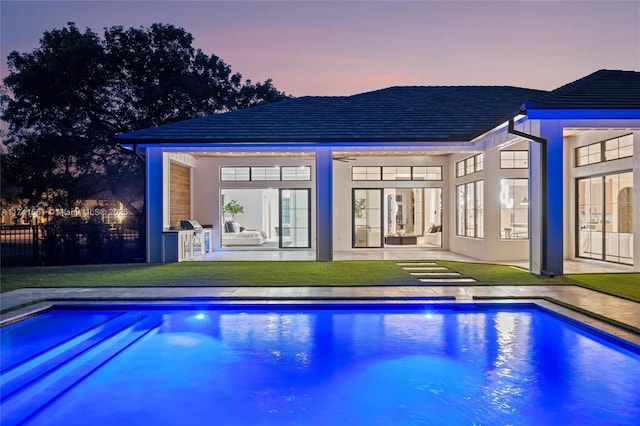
(308, 365)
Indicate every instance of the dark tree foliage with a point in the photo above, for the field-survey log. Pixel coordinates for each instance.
(66, 100)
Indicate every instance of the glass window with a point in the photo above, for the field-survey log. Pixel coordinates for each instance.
(460, 209)
(470, 209)
(296, 173)
(265, 173)
(419, 173)
(618, 148)
(388, 173)
(434, 173)
(396, 173)
(235, 174)
(227, 173)
(366, 173)
(589, 154)
(625, 146)
(470, 221)
(611, 149)
(582, 156)
(479, 208)
(479, 162)
(514, 209)
(469, 166)
(594, 155)
(521, 160)
(403, 173)
(272, 173)
(506, 159)
(514, 159)
(427, 173)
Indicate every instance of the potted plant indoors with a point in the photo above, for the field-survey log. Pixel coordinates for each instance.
(233, 208)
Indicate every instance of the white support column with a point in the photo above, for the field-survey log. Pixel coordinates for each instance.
(154, 205)
(552, 131)
(324, 204)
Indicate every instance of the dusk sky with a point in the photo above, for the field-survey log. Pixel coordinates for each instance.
(347, 47)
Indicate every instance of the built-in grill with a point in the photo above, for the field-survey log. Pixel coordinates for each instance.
(191, 225)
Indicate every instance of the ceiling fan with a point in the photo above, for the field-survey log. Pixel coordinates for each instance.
(344, 159)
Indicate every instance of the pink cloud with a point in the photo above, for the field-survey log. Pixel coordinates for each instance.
(342, 48)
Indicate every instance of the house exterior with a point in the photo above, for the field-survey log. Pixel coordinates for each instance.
(493, 172)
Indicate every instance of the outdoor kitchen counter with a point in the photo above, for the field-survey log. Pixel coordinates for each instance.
(180, 244)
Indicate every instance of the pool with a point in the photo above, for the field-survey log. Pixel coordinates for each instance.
(441, 364)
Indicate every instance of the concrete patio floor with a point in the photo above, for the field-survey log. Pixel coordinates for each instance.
(582, 266)
(601, 305)
(23, 302)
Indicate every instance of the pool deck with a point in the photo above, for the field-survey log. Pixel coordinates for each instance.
(602, 306)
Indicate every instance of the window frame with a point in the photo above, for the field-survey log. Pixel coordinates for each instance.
(510, 232)
(377, 173)
(513, 160)
(599, 154)
(475, 211)
(252, 172)
(470, 165)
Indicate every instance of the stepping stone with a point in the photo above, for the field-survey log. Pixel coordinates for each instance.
(447, 280)
(417, 264)
(435, 274)
(425, 268)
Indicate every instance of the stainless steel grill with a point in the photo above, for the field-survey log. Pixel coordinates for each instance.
(192, 225)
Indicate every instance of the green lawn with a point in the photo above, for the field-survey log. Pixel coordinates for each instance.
(342, 273)
(185, 274)
(623, 285)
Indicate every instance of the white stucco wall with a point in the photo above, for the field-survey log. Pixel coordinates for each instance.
(497, 248)
(206, 190)
(492, 247)
(343, 186)
(206, 187)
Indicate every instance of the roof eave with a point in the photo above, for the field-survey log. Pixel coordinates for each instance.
(582, 114)
(140, 144)
(298, 141)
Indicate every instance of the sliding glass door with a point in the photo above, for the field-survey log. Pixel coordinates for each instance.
(605, 218)
(403, 216)
(367, 218)
(295, 221)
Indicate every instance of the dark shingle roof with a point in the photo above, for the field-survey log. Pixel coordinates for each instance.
(396, 114)
(402, 114)
(604, 89)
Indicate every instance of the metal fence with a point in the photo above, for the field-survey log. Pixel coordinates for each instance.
(70, 244)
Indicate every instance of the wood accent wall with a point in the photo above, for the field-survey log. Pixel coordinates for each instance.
(179, 193)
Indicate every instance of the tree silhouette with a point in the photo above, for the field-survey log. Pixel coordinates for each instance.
(65, 101)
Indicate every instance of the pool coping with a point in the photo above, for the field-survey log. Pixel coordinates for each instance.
(604, 327)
